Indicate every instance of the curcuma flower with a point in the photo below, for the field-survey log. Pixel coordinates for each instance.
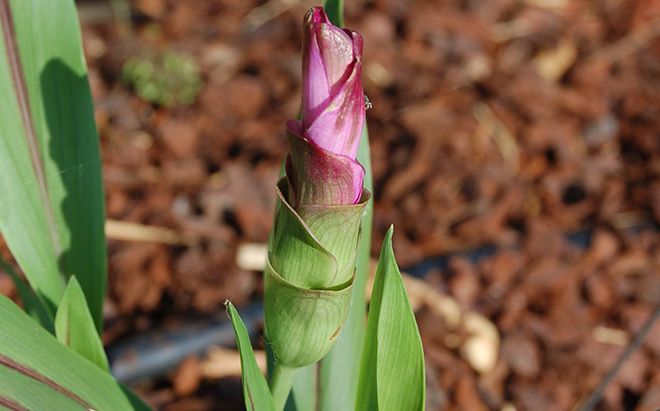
(311, 264)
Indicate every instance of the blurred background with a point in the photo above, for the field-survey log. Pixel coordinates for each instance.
(515, 147)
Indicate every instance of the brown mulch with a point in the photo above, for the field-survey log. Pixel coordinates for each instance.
(493, 122)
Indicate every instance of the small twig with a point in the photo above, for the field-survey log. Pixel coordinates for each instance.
(597, 393)
(123, 230)
(252, 256)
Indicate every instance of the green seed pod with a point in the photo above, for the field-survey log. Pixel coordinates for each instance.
(309, 277)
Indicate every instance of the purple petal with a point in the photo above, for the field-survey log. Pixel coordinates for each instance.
(339, 127)
(336, 48)
(315, 89)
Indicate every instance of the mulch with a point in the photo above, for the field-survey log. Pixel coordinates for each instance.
(503, 122)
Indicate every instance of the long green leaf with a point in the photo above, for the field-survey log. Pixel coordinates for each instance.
(74, 326)
(36, 371)
(255, 389)
(41, 396)
(51, 208)
(392, 371)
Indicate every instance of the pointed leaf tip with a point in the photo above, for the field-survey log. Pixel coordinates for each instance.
(390, 233)
(392, 374)
(255, 389)
(75, 328)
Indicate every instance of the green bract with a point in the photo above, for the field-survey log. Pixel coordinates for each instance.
(309, 277)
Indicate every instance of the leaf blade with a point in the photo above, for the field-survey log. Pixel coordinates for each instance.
(27, 348)
(21, 210)
(22, 392)
(392, 371)
(255, 389)
(67, 162)
(74, 326)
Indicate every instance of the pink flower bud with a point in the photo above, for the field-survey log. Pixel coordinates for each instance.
(322, 168)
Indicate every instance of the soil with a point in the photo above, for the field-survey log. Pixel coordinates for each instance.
(510, 123)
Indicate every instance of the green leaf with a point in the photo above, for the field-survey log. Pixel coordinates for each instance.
(74, 326)
(41, 396)
(51, 210)
(36, 371)
(335, 11)
(392, 371)
(255, 389)
(339, 371)
(31, 302)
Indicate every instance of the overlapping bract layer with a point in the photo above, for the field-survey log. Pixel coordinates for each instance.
(309, 277)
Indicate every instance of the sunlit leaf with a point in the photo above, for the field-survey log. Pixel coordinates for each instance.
(39, 373)
(51, 208)
(74, 326)
(255, 389)
(392, 373)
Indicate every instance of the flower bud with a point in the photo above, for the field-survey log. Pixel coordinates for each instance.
(311, 264)
(322, 167)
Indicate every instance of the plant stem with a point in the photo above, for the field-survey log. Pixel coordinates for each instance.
(280, 385)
